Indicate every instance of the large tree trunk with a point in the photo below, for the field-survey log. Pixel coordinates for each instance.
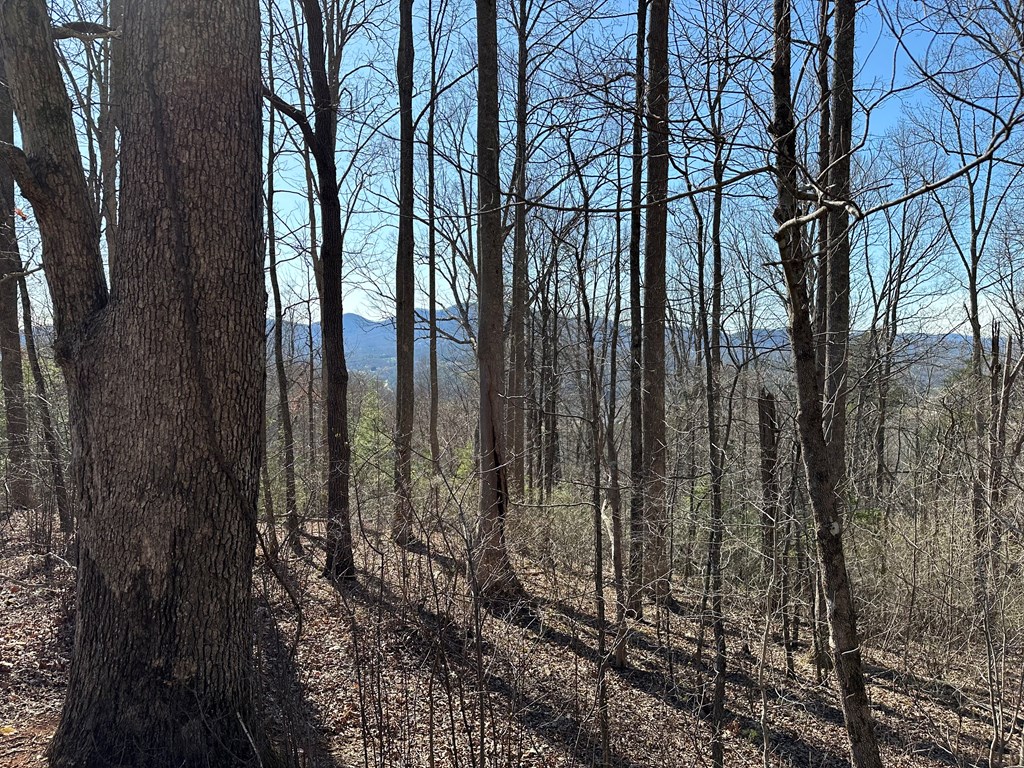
(165, 380)
(405, 288)
(20, 493)
(655, 300)
(492, 577)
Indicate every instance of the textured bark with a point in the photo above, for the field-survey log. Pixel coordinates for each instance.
(493, 579)
(165, 381)
(824, 475)
(838, 304)
(18, 476)
(655, 300)
(637, 527)
(405, 288)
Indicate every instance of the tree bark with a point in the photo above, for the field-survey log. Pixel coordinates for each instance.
(165, 380)
(655, 300)
(493, 580)
(824, 475)
(405, 288)
(637, 526)
(20, 492)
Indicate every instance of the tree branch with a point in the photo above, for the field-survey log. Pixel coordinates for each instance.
(86, 31)
(31, 186)
(294, 114)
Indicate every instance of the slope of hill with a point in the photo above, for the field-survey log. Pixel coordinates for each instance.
(400, 670)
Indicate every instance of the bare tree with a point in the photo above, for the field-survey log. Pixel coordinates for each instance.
(405, 287)
(655, 448)
(637, 526)
(493, 579)
(823, 460)
(319, 135)
(18, 473)
(284, 413)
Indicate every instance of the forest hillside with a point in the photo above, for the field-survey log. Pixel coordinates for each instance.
(476, 384)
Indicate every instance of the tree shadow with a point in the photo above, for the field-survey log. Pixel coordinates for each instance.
(295, 723)
(449, 564)
(552, 717)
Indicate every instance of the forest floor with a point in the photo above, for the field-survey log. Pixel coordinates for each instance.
(399, 669)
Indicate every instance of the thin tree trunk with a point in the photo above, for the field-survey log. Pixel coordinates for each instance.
(284, 415)
(768, 433)
(108, 125)
(320, 140)
(520, 278)
(435, 444)
(614, 492)
(838, 311)
(716, 455)
(824, 474)
(51, 445)
(405, 289)
(655, 299)
(637, 523)
(18, 476)
(494, 582)
(273, 544)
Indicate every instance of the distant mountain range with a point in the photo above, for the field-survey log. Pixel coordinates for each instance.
(370, 346)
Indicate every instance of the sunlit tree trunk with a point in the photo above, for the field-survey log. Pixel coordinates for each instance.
(655, 448)
(493, 580)
(824, 471)
(165, 376)
(405, 288)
